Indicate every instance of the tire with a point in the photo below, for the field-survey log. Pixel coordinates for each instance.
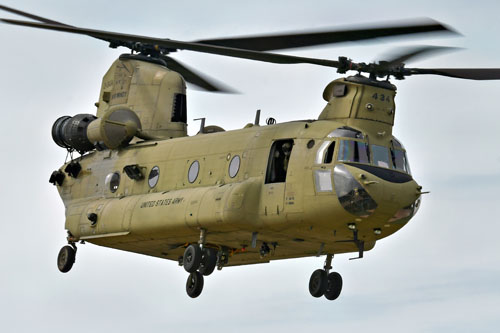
(194, 284)
(66, 258)
(334, 286)
(318, 283)
(208, 261)
(192, 258)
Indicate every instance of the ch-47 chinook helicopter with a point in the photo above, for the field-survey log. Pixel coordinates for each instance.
(332, 185)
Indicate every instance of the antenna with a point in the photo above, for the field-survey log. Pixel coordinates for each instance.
(202, 125)
(257, 118)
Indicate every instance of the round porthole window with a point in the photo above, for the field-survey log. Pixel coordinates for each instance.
(113, 181)
(193, 171)
(153, 177)
(234, 166)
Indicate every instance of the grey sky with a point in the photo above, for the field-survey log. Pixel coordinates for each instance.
(438, 274)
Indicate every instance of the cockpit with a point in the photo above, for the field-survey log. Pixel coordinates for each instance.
(353, 148)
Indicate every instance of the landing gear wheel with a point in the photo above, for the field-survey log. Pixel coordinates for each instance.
(66, 258)
(192, 258)
(208, 261)
(318, 283)
(194, 284)
(334, 286)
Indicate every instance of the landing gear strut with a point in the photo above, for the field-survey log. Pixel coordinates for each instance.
(324, 283)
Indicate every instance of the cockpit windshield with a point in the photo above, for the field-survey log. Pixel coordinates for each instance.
(354, 151)
(381, 156)
(400, 161)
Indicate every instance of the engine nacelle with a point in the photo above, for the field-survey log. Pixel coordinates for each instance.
(84, 132)
(71, 132)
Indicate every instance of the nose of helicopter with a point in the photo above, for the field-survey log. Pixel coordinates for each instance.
(385, 195)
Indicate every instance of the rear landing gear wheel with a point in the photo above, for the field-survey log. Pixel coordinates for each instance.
(334, 286)
(194, 284)
(208, 261)
(192, 258)
(318, 283)
(66, 258)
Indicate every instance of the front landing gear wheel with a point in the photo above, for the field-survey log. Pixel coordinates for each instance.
(192, 258)
(208, 261)
(194, 284)
(318, 283)
(334, 286)
(66, 258)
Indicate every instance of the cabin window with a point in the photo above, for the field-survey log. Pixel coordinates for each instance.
(234, 166)
(179, 111)
(353, 151)
(277, 165)
(194, 169)
(154, 176)
(113, 181)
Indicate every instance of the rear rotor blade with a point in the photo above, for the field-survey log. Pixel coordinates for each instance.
(461, 73)
(28, 15)
(115, 43)
(195, 78)
(173, 44)
(295, 40)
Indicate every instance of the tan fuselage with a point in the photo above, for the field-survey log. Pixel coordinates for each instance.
(159, 221)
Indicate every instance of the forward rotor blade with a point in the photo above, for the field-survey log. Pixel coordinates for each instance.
(416, 52)
(295, 40)
(461, 73)
(173, 44)
(195, 78)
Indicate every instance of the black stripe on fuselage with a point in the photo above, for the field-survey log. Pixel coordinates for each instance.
(383, 173)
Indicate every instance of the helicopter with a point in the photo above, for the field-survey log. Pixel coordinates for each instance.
(316, 187)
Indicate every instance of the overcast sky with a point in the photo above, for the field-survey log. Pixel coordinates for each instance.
(438, 274)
